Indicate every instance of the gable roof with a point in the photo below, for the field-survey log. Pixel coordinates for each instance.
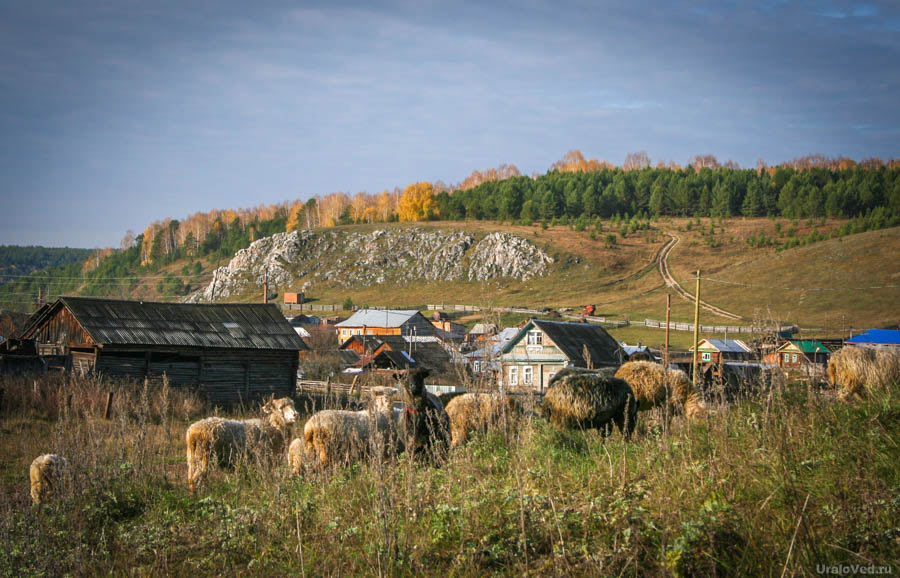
(877, 337)
(425, 352)
(725, 345)
(378, 318)
(217, 325)
(572, 339)
(806, 346)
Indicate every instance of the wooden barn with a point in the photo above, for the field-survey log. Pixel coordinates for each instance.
(228, 352)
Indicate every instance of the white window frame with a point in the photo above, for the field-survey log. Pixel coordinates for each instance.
(527, 375)
(476, 366)
(793, 358)
(705, 356)
(535, 338)
(513, 375)
(787, 357)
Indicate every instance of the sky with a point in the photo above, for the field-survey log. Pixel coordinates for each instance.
(115, 113)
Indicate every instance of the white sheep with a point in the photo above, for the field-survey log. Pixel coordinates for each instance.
(46, 473)
(225, 439)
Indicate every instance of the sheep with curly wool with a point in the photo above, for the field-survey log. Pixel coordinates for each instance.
(478, 412)
(46, 473)
(654, 385)
(219, 440)
(586, 398)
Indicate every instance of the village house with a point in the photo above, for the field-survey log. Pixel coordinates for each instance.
(716, 351)
(542, 348)
(226, 352)
(798, 353)
(409, 323)
(485, 360)
(397, 352)
(481, 332)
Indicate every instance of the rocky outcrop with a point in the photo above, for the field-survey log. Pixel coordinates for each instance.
(353, 259)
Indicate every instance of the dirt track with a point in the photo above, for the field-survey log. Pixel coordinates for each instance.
(662, 260)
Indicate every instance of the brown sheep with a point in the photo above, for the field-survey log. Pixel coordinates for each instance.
(652, 384)
(471, 412)
(856, 369)
(585, 398)
(46, 473)
(224, 439)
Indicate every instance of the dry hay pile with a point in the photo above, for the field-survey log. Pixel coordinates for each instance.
(857, 369)
(653, 384)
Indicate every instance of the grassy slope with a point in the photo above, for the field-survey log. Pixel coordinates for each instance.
(624, 284)
(796, 472)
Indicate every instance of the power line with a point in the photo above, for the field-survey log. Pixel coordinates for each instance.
(782, 288)
(51, 276)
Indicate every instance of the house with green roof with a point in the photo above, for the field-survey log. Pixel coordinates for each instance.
(796, 353)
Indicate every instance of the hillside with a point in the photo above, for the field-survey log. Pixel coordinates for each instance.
(816, 285)
(823, 285)
(17, 261)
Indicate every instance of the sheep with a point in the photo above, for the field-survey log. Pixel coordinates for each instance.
(342, 436)
(224, 439)
(856, 369)
(471, 412)
(333, 436)
(46, 473)
(585, 398)
(652, 384)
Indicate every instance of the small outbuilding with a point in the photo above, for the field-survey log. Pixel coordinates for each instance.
(227, 352)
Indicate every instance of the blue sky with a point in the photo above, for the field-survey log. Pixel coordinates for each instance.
(114, 113)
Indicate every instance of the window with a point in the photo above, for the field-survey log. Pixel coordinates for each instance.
(513, 375)
(706, 356)
(527, 375)
(476, 366)
(787, 357)
(794, 358)
(535, 338)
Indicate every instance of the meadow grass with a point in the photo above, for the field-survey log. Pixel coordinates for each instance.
(772, 484)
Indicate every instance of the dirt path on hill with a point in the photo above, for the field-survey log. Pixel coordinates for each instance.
(662, 259)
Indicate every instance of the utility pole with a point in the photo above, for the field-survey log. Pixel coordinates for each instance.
(40, 297)
(696, 327)
(668, 311)
(266, 286)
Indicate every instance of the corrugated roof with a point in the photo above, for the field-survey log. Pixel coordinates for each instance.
(219, 325)
(727, 345)
(573, 338)
(878, 337)
(377, 318)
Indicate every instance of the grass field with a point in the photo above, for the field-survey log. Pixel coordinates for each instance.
(773, 485)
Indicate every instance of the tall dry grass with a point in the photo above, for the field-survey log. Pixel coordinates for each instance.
(773, 484)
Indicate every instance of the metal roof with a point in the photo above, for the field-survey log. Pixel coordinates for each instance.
(807, 346)
(877, 337)
(727, 345)
(219, 325)
(378, 318)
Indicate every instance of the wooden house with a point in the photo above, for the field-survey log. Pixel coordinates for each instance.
(797, 353)
(227, 352)
(715, 351)
(421, 352)
(385, 322)
(541, 348)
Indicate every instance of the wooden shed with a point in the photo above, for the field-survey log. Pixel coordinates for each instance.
(229, 352)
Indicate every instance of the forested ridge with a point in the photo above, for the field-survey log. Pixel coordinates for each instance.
(17, 261)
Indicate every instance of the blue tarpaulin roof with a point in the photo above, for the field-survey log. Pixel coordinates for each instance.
(878, 336)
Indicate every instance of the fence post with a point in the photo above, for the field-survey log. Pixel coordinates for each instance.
(109, 399)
